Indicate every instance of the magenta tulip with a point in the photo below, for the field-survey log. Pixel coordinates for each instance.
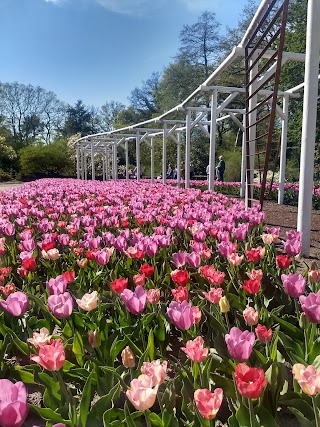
(61, 305)
(240, 344)
(16, 304)
(181, 315)
(13, 403)
(294, 284)
(135, 301)
(311, 306)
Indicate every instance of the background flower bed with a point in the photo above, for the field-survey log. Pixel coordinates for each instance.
(63, 239)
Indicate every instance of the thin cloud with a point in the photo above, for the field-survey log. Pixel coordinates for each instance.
(130, 7)
(55, 2)
(198, 5)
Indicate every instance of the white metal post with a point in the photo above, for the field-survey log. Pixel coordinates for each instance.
(179, 158)
(82, 162)
(164, 153)
(243, 160)
(107, 163)
(93, 170)
(115, 160)
(187, 161)
(213, 128)
(152, 160)
(127, 158)
(283, 151)
(252, 130)
(85, 165)
(309, 122)
(103, 167)
(78, 161)
(138, 156)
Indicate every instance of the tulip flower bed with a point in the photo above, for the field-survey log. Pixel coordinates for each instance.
(291, 191)
(131, 304)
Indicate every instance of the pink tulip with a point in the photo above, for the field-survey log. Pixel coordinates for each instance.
(52, 254)
(226, 249)
(57, 286)
(196, 314)
(195, 351)
(128, 359)
(61, 305)
(294, 284)
(251, 316)
(16, 304)
(39, 339)
(51, 356)
(240, 344)
(102, 257)
(308, 378)
(193, 259)
(89, 301)
(135, 301)
(292, 247)
(153, 296)
(142, 394)
(156, 370)
(213, 295)
(181, 315)
(235, 259)
(179, 259)
(13, 403)
(208, 403)
(311, 306)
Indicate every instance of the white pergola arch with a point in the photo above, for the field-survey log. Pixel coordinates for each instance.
(168, 125)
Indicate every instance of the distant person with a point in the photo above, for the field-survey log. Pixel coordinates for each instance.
(169, 171)
(175, 173)
(221, 168)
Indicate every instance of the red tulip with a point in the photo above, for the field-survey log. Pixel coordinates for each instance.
(147, 270)
(252, 286)
(180, 294)
(29, 264)
(180, 277)
(263, 333)
(250, 382)
(119, 285)
(283, 261)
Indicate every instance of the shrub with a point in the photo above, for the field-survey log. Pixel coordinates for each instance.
(49, 160)
(5, 177)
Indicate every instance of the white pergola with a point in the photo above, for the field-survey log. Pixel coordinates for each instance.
(168, 126)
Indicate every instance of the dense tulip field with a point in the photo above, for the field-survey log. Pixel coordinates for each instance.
(131, 304)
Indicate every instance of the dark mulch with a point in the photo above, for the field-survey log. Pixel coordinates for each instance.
(285, 216)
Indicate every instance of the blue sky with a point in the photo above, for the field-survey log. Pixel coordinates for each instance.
(96, 50)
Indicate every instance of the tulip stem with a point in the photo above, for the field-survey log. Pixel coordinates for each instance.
(251, 413)
(316, 411)
(227, 321)
(147, 420)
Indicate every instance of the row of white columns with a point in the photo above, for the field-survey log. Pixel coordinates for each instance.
(81, 152)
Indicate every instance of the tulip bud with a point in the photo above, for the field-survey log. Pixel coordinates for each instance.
(314, 276)
(82, 263)
(94, 339)
(128, 359)
(303, 321)
(224, 305)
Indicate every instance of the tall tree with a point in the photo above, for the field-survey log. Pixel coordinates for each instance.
(109, 114)
(179, 79)
(143, 99)
(79, 120)
(30, 111)
(200, 42)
